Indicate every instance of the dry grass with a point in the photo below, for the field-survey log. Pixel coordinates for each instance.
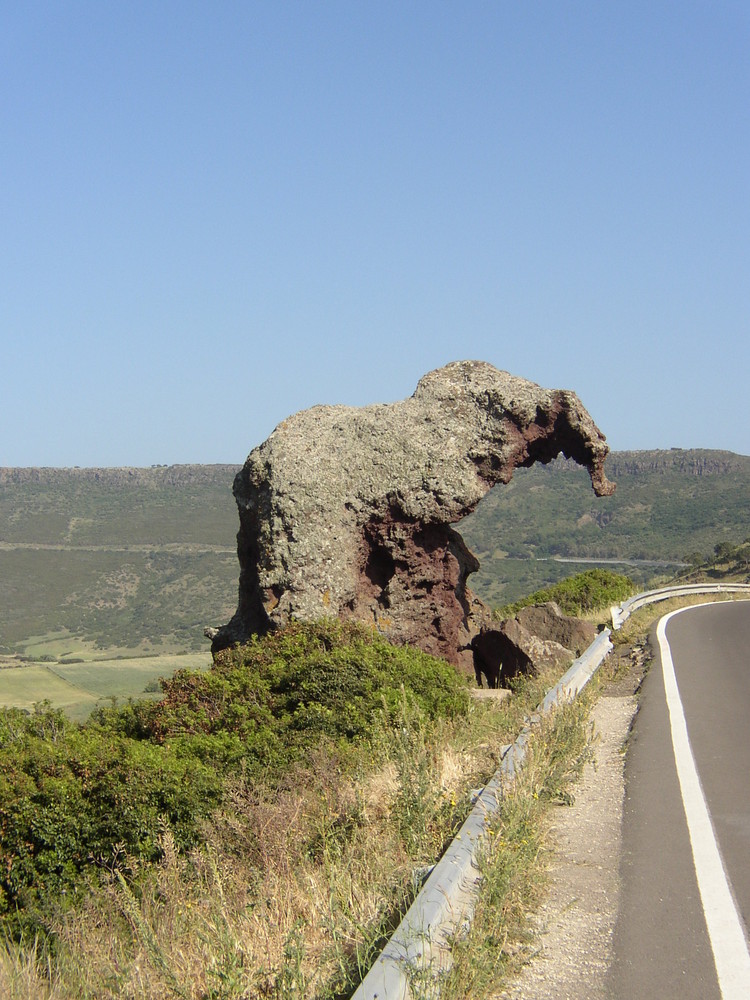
(297, 887)
(514, 865)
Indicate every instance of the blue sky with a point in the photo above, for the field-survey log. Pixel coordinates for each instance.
(214, 215)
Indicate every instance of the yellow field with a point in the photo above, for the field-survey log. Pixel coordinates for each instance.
(59, 645)
(77, 688)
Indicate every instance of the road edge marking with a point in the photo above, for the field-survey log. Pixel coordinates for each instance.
(725, 929)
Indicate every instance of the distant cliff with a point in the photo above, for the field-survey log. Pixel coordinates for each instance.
(155, 476)
(692, 462)
(681, 461)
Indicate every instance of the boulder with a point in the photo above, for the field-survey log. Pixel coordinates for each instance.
(549, 623)
(348, 511)
(538, 636)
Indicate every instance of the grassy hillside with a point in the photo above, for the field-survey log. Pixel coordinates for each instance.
(668, 506)
(135, 559)
(186, 505)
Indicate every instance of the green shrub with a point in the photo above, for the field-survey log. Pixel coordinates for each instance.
(578, 595)
(70, 793)
(340, 685)
(327, 678)
(74, 796)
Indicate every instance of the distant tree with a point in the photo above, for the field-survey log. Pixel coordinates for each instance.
(724, 550)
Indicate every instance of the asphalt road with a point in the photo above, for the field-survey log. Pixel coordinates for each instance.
(673, 929)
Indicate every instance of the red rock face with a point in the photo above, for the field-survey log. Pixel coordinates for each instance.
(411, 574)
(349, 512)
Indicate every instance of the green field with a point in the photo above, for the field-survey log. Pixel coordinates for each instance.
(78, 688)
(22, 687)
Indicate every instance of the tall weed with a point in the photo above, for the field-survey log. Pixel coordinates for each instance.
(513, 863)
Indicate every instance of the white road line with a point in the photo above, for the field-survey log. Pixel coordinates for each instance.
(724, 925)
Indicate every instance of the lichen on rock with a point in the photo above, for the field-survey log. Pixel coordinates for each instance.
(347, 511)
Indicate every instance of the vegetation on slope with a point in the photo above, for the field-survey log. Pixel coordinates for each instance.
(578, 595)
(668, 504)
(207, 875)
(163, 505)
(727, 562)
(69, 793)
(124, 558)
(255, 834)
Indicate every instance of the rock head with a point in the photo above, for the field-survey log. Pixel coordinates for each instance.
(347, 511)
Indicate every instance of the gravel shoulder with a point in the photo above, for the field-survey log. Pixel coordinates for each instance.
(572, 945)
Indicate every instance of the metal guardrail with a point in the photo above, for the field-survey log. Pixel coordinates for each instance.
(420, 944)
(620, 613)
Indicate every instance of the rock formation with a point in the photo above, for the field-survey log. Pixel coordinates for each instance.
(348, 511)
(537, 636)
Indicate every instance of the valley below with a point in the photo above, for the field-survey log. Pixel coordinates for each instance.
(109, 576)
